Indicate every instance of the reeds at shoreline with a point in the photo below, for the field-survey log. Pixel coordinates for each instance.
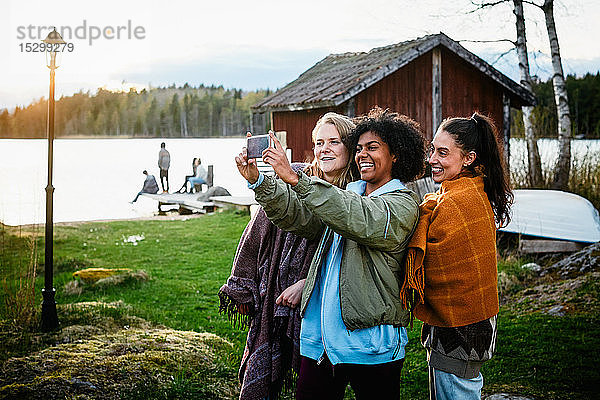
(584, 178)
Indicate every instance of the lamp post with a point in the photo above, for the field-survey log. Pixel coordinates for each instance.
(49, 317)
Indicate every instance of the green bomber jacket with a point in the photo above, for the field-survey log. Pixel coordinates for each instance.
(376, 230)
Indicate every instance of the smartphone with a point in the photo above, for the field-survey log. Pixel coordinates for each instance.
(257, 144)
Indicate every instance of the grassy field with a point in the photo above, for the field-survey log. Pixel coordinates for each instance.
(187, 261)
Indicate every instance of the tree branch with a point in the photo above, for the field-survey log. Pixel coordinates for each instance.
(532, 3)
(539, 67)
(503, 54)
(489, 41)
(481, 5)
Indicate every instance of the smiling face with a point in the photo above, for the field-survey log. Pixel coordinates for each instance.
(330, 153)
(374, 161)
(446, 158)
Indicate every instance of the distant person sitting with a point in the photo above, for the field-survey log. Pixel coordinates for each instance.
(184, 188)
(150, 186)
(201, 175)
(164, 161)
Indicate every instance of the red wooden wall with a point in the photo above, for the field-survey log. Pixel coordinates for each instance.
(299, 126)
(465, 89)
(406, 91)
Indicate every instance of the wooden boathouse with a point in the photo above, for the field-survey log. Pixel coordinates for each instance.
(428, 79)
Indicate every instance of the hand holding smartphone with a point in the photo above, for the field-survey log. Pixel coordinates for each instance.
(255, 145)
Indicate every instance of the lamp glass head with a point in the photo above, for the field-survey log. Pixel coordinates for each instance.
(54, 40)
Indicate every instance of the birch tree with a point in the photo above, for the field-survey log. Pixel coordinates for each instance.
(563, 165)
(534, 164)
(533, 155)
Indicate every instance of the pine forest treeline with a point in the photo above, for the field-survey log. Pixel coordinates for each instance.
(584, 108)
(185, 111)
(207, 111)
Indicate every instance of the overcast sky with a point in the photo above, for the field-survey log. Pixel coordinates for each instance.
(256, 44)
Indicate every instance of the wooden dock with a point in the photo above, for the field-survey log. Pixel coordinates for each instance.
(186, 202)
(245, 201)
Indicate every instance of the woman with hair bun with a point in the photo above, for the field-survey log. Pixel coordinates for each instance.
(451, 271)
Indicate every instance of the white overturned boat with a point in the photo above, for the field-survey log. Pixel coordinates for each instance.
(554, 214)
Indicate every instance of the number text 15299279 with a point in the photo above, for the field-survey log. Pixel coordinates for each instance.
(43, 47)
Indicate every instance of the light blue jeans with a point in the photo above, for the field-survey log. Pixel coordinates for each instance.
(196, 181)
(447, 386)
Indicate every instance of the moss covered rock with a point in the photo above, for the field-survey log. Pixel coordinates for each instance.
(92, 275)
(110, 360)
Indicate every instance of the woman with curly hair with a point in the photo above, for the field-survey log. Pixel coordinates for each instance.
(451, 263)
(352, 329)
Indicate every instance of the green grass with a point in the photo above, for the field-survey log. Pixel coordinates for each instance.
(188, 261)
(547, 357)
(512, 266)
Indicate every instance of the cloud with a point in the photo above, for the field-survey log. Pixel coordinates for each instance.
(249, 69)
(265, 43)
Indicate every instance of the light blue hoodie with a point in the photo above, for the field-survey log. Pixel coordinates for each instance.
(323, 330)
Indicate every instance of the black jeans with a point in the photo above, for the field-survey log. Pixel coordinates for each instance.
(164, 173)
(328, 382)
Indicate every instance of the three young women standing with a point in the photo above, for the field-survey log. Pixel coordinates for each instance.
(350, 305)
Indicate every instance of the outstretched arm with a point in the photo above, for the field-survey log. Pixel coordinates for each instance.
(285, 210)
(384, 222)
(276, 197)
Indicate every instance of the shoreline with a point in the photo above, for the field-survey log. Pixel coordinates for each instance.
(170, 216)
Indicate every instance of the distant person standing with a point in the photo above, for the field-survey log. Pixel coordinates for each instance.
(150, 186)
(164, 160)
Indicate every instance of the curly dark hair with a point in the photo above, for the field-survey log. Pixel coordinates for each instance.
(403, 136)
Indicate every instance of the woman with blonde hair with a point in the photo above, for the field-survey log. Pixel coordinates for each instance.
(269, 272)
(344, 126)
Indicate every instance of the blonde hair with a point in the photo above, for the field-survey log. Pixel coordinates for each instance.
(344, 126)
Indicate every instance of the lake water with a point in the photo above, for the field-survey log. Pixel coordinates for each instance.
(587, 150)
(96, 178)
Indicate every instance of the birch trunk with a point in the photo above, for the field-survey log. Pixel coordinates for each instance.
(533, 155)
(563, 165)
(184, 128)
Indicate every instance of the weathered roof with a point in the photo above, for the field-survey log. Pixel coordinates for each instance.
(339, 77)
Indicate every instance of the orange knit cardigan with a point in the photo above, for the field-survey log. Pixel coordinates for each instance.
(451, 272)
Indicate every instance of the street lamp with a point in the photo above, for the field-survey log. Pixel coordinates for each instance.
(49, 317)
